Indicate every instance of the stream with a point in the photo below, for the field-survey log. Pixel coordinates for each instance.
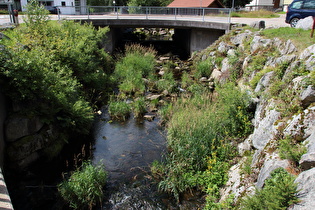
(127, 149)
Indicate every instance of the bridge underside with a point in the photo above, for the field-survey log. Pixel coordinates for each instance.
(190, 35)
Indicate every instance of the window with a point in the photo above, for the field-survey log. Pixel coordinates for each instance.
(63, 3)
(297, 5)
(309, 4)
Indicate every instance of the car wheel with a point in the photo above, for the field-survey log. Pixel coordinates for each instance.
(293, 22)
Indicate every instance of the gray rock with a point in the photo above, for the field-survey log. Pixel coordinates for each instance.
(239, 38)
(20, 126)
(265, 127)
(225, 65)
(244, 146)
(231, 52)
(307, 96)
(308, 52)
(306, 187)
(258, 43)
(308, 55)
(264, 82)
(258, 24)
(223, 47)
(307, 161)
(269, 166)
(306, 23)
(288, 48)
(153, 96)
(302, 125)
(216, 75)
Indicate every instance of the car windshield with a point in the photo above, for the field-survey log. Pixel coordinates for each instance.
(296, 5)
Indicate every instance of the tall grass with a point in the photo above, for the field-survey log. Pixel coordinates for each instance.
(255, 14)
(137, 64)
(200, 132)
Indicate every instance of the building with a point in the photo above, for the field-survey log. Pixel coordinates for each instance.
(268, 4)
(197, 3)
(65, 6)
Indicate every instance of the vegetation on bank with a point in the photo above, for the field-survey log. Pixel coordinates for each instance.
(255, 14)
(84, 188)
(55, 69)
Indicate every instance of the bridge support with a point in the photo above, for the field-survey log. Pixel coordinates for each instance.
(202, 38)
(188, 40)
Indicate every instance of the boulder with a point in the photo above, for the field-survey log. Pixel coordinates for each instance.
(288, 48)
(306, 23)
(258, 24)
(265, 127)
(225, 65)
(308, 96)
(302, 125)
(264, 82)
(258, 43)
(269, 166)
(216, 75)
(19, 126)
(308, 55)
(307, 161)
(306, 188)
(239, 38)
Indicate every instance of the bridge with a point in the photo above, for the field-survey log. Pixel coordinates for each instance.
(194, 28)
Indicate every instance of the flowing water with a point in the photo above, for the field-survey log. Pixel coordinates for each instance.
(127, 149)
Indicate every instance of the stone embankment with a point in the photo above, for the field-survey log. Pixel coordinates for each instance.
(251, 57)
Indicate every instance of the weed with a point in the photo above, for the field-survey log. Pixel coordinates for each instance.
(279, 192)
(119, 110)
(84, 188)
(139, 107)
(290, 149)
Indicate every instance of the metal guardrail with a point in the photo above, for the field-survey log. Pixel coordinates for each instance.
(125, 12)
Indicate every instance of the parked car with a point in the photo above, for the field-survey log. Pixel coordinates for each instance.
(52, 9)
(299, 9)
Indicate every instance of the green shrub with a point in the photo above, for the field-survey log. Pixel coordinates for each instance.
(138, 63)
(58, 68)
(139, 107)
(119, 110)
(84, 188)
(204, 68)
(279, 192)
(290, 149)
(205, 142)
(167, 83)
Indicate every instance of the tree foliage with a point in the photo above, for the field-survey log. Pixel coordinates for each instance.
(54, 69)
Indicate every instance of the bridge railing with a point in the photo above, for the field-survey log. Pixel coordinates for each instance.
(125, 12)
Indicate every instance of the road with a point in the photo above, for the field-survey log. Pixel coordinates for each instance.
(269, 22)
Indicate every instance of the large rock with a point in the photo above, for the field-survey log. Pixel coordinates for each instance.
(306, 188)
(264, 82)
(258, 24)
(306, 23)
(265, 127)
(302, 125)
(269, 166)
(308, 56)
(308, 96)
(307, 161)
(20, 126)
(288, 48)
(259, 43)
(28, 149)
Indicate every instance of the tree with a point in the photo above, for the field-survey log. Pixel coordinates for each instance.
(149, 2)
(237, 3)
